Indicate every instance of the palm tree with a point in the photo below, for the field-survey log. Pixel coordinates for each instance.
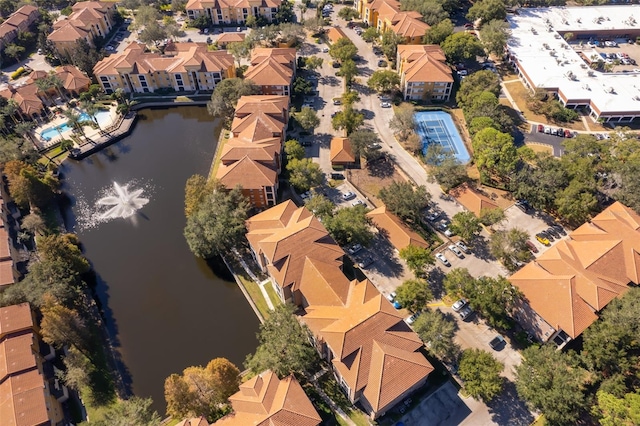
(58, 84)
(91, 109)
(44, 85)
(24, 129)
(11, 108)
(74, 120)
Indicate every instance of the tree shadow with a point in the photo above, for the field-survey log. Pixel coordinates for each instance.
(508, 409)
(481, 248)
(382, 167)
(368, 114)
(330, 80)
(385, 251)
(435, 278)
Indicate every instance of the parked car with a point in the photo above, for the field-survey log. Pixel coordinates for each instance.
(542, 239)
(442, 258)
(348, 196)
(567, 133)
(466, 312)
(337, 101)
(540, 128)
(496, 342)
(559, 229)
(382, 63)
(325, 50)
(523, 205)
(462, 246)
(468, 26)
(454, 248)
(391, 296)
(547, 130)
(433, 215)
(610, 43)
(354, 249)
(411, 319)
(532, 247)
(444, 228)
(560, 132)
(458, 305)
(385, 104)
(365, 262)
(547, 235)
(358, 203)
(337, 176)
(553, 232)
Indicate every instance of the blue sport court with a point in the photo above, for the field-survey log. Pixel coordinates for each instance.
(438, 127)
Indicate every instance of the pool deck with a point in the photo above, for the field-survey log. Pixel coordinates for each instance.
(105, 137)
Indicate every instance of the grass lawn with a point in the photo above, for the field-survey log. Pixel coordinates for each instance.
(256, 295)
(359, 418)
(216, 161)
(537, 147)
(272, 294)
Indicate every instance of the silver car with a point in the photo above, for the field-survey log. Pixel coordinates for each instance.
(442, 258)
(454, 248)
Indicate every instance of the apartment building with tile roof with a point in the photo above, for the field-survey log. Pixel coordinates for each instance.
(386, 15)
(341, 153)
(373, 352)
(88, 20)
(334, 34)
(424, 74)
(252, 156)
(196, 421)
(225, 38)
(32, 101)
(472, 199)
(567, 286)
(267, 400)
(184, 67)
(29, 396)
(19, 21)
(399, 234)
(272, 70)
(222, 12)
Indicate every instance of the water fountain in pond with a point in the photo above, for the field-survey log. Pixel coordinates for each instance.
(123, 203)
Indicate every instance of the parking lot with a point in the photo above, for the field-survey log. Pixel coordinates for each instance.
(532, 223)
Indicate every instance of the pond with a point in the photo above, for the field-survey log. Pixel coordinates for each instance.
(166, 309)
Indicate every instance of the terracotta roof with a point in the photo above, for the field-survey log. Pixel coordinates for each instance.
(269, 72)
(335, 33)
(247, 173)
(257, 125)
(67, 32)
(26, 98)
(410, 26)
(265, 150)
(196, 421)
(324, 283)
(275, 218)
(398, 233)
(185, 57)
(341, 151)
(575, 279)
(15, 318)
(374, 349)
(472, 200)
(227, 38)
(5, 253)
(16, 355)
(283, 55)
(22, 400)
(266, 400)
(6, 272)
(276, 106)
(424, 63)
(72, 78)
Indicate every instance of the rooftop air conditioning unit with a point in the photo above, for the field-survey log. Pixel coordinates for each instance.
(636, 98)
(586, 87)
(611, 90)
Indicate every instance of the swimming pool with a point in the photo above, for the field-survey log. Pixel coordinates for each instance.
(50, 132)
(438, 127)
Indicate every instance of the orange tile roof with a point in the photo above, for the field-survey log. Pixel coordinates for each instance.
(257, 125)
(26, 98)
(15, 318)
(323, 283)
(335, 33)
(227, 38)
(575, 279)
(274, 218)
(196, 421)
(22, 400)
(5, 253)
(276, 106)
(410, 26)
(267, 401)
(341, 151)
(269, 72)
(265, 150)
(424, 63)
(6, 272)
(16, 355)
(247, 173)
(374, 349)
(472, 200)
(398, 233)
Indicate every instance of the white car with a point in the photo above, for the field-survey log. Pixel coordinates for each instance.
(348, 195)
(442, 258)
(354, 249)
(458, 305)
(610, 43)
(454, 248)
(358, 203)
(391, 296)
(325, 50)
(411, 319)
(385, 104)
(462, 246)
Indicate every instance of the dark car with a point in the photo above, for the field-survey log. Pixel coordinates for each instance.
(497, 342)
(365, 262)
(560, 132)
(553, 232)
(547, 235)
(559, 229)
(531, 246)
(523, 205)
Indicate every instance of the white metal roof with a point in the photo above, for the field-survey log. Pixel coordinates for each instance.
(550, 62)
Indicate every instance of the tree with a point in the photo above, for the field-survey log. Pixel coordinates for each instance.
(283, 345)
(195, 191)
(28, 186)
(201, 22)
(384, 80)
(361, 142)
(348, 71)
(432, 11)
(63, 248)
(404, 200)
(494, 152)
(202, 391)
(33, 223)
(294, 150)
(459, 47)
(389, 44)
(349, 97)
(552, 381)
(343, 49)
(417, 258)
(413, 143)
(240, 50)
(577, 202)
(84, 56)
(480, 123)
(348, 13)
(414, 294)
(444, 168)
(146, 15)
(404, 120)
(320, 206)
(348, 120)
(439, 32)
(62, 326)
(301, 87)
(481, 374)
(370, 34)
(612, 411)
(314, 25)
(490, 217)
(487, 10)
(14, 51)
(285, 12)
(493, 298)
(494, 36)
(218, 223)
(313, 62)
(307, 118)
(226, 94)
(465, 224)
(455, 282)
(350, 225)
(437, 331)
(135, 410)
(304, 174)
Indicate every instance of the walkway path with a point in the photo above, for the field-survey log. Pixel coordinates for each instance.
(253, 276)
